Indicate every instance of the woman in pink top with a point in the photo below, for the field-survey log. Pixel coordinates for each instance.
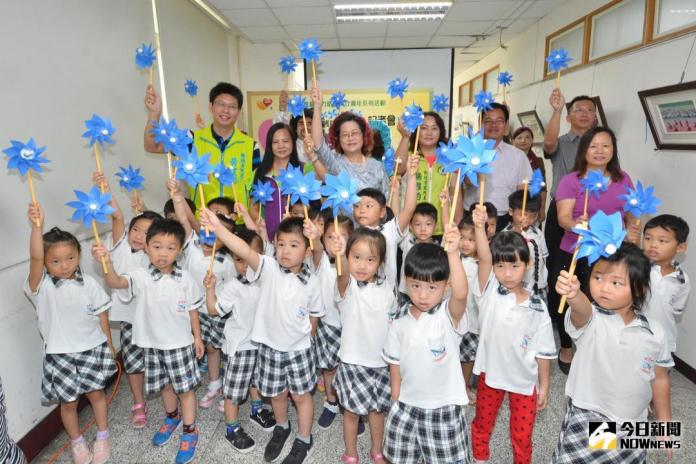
(596, 150)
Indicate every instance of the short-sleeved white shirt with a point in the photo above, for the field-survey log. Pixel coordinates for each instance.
(407, 242)
(614, 364)
(197, 264)
(538, 252)
(667, 300)
(286, 303)
(237, 299)
(326, 273)
(124, 259)
(511, 338)
(68, 311)
(392, 235)
(162, 304)
(427, 353)
(470, 266)
(366, 311)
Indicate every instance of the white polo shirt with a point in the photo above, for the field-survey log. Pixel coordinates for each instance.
(427, 353)
(667, 300)
(124, 259)
(68, 311)
(366, 311)
(326, 273)
(286, 303)
(197, 264)
(511, 338)
(470, 266)
(407, 242)
(162, 304)
(392, 235)
(614, 364)
(237, 299)
(538, 253)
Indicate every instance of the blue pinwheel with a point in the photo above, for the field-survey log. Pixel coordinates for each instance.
(595, 182)
(261, 192)
(304, 189)
(207, 237)
(287, 176)
(389, 161)
(397, 87)
(99, 130)
(193, 169)
(297, 105)
(441, 152)
(412, 117)
(440, 103)
(326, 115)
(144, 56)
(472, 156)
(224, 175)
(287, 64)
(338, 100)
(172, 138)
(130, 178)
(504, 78)
(191, 87)
(483, 100)
(640, 201)
(25, 156)
(341, 193)
(602, 238)
(91, 206)
(310, 49)
(536, 183)
(558, 59)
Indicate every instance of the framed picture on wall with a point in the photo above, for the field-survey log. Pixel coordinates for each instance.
(671, 114)
(601, 117)
(531, 119)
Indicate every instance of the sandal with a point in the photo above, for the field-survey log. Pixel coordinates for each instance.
(374, 457)
(139, 419)
(347, 459)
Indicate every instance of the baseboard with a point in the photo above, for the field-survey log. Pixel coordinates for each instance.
(684, 369)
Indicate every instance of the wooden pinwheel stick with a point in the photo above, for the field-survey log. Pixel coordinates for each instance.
(98, 240)
(391, 187)
(287, 205)
(558, 79)
(338, 258)
(136, 202)
(482, 188)
(306, 216)
(172, 172)
(200, 193)
(212, 258)
(97, 158)
(196, 105)
(454, 200)
(574, 260)
(150, 75)
(32, 192)
(314, 75)
(524, 195)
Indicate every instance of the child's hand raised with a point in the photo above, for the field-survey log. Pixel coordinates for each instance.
(413, 161)
(209, 219)
(444, 196)
(308, 144)
(209, 280)
(339, 245)
(200, 123)
(310, 230)
(100, 252)
(451, 238)
(99, 179)
(283, 100)
(153, 103)
(137, 204)
(316, 98)
(36, 214)
(479, 216)
(401, 127)
(567, 286)
(173, 187)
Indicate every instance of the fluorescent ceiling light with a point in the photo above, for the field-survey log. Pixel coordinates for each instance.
(422, 11)
(203, 5)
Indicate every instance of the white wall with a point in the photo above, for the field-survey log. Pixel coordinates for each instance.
(617, 82)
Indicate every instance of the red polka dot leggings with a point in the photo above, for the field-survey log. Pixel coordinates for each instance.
(522, 415)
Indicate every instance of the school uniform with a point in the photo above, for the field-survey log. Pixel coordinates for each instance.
(469, 343)
(609, 380)
(283, 330)
(392, 235)
(427, 422)
(667, 300)
(537, 274)
(328, 339)
(77, 357)
(9, 451)
(362, 378)
(162, 325)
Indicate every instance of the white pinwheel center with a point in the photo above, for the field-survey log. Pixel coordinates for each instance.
(407, 114)
(344, 195)
(172, 139)
(475, 161)
(543, 184)
(140, 50)
(598, 185)
(93, 206)
(217, 175)
(163, 132)
(125, 179)
(105, 132)
(558, 56)
(633, 201)
(310, 45)
(610, 249)
(188, 167)
(26, 153)
(303, 189)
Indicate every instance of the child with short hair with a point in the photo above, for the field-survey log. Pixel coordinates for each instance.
(664, 237)
(469, 344)
(421, 230)
(516, 342)
(169, 212)
(286, 316)
(222, 206)
(72, 309)
(491, 219)
(166, 325)
(426, 421)
(622, 359)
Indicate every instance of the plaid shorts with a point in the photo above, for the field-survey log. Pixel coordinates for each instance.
(362, 389)
(176, 367)
(239, 371)
(572, 444)
(328, 342)
(468, 347)
(278, 371)
(133, 355)
(66, 376)
(212, 330)
(414, 435)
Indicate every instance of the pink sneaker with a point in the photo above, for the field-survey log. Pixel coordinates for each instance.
(80, 453)
(209, 398)
(102, 451)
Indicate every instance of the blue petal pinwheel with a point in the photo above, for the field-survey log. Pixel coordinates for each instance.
(558, 59)
(144, 56)
(129, 178)
(297, 105)
(536, 183)
(595, 182)
(341, 193)
(191, 87)
(483, 100)
(287, 176)
(287, 64)
(472, 155)
(389, 161)
(504, 78)
(397, 87)
(304, 189)
(261, 192)
(440, 103)
(640, 201)
(338, 100)
(224, 175)
(412, 117)
(207, 237)
(91, 206)
(99, 130)
(25, 156)
(173, 139)
(602, 238)
(310, 50)
(192, 168)
(442, 150)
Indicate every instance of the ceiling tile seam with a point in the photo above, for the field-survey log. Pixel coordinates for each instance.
(281, 25)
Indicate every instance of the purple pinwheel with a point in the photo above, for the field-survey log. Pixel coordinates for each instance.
(144, 56)
(341, 193)
(287, 64)
(99, 130)
(91, 206)
(287, 176)
(304, 188)
(207, 237)
(595, 182)
(558, 59)
(389, 161)
(504, 78)
(191, 87)
(193, 169)
(472, 156)
(310, 49)
(130, 178)
(338, 100)
(412, 117)
(172, 138)
(262, 192)
(602, 238)
(25, 156)
(440, 103)
(536, 183)
(297, 105)
(397, 87)
(640, 201)
(483, 100)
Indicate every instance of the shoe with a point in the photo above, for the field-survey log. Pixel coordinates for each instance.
(240, 440)
(328, 414)
(139, 419)
(80, 453)
(221, 405)
(101, 451)
(346, 459)
(299, 451)
(276, 443)
(187, 448)
(264, 419)
(376, 457)
(564, 366)
(209, 398)
(361, 427)
(164, 434)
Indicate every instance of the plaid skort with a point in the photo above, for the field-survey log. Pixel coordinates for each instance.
(133, 356)
(468, 347)
(66, 376)
(362, 389)
(176, 367)
(212, 330)
(413, 435)
(278, 371)
(239, 372)
(328, 342)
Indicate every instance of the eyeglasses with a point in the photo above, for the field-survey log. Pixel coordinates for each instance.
(225, 106)
(583, 110)
(350, 135)
(494, 122)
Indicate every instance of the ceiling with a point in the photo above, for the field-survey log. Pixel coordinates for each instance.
(471, 26)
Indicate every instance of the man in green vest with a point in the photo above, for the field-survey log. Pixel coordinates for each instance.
(221, 139)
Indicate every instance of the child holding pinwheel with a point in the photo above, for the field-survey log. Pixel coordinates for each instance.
(72, 309)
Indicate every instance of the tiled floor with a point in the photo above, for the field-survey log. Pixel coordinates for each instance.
(133, 447)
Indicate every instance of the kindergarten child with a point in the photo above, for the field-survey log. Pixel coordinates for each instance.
(426, 421)
(491, 217)
(165, 324)
(469, 345)
(515, 342)
(622, 358)
(422, 228)
(73, 321)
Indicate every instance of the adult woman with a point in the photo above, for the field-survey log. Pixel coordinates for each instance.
(523, 138)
